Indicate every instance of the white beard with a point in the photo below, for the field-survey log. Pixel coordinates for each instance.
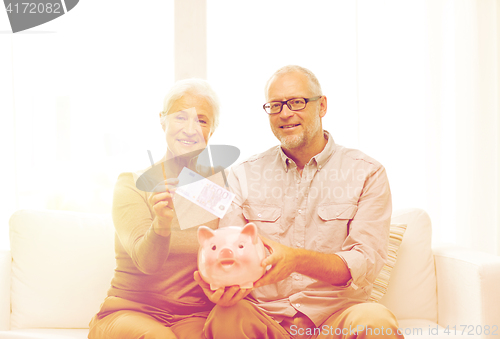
(292, 141)
(296, 141)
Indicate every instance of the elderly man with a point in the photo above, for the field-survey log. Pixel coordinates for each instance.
(323, 212)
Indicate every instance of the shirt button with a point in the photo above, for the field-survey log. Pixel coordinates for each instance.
(299, 245)
(296, 277)
(259, 215)
(300, 211)
(297, 305)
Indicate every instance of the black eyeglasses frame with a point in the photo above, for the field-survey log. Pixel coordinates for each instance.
(289, 105)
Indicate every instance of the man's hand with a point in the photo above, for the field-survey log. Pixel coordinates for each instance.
(223, 296)
(283, 262)
(286, 260)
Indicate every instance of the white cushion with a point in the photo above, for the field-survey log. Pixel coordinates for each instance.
(5, 268)
(62, 266)
(412, 290)
(467, 284)
(45, 334)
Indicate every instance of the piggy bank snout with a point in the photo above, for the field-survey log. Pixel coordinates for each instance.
(230, 256)
(226, 253)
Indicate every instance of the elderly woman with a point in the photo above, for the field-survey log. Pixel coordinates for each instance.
(153, 293)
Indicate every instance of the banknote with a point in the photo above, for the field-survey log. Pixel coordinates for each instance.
(204, 193)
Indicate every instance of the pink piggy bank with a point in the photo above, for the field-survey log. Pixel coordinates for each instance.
(230, 256)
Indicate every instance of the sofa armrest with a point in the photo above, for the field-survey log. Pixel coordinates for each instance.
(5, 269)
(467, 287)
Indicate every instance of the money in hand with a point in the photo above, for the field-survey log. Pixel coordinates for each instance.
(204, 193)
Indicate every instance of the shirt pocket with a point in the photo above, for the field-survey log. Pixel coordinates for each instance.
(265, 217)
(333, 223)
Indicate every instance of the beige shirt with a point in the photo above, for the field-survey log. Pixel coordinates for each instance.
(151, 269)
(341, 204)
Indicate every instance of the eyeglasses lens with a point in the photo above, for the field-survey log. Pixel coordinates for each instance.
(293, 104)
(296, 104)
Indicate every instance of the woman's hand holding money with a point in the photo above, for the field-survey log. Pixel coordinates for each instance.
(163, 207)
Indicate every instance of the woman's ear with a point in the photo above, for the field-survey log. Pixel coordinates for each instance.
(209, 135)
(163, 121)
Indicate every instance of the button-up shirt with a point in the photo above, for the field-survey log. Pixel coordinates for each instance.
(340, 204)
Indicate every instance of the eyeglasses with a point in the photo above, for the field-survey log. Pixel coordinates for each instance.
(295, 104)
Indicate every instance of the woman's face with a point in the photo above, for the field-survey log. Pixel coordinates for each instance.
(188, 126)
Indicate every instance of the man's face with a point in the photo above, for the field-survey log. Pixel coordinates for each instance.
(295, 129)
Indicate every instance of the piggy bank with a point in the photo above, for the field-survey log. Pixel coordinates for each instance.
(230, 256)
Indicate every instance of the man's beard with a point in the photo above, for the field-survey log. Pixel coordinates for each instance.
(292, 141)
(296, 141)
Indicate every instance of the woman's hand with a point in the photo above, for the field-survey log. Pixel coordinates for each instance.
(223, 296)
(163, 207)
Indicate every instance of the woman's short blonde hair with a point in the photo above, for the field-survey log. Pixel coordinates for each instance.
(193, 86)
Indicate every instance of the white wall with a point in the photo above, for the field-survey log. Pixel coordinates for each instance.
(415, 84)
(80, 99)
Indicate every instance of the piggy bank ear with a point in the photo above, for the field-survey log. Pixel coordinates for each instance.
(204, 233)
(251, 230)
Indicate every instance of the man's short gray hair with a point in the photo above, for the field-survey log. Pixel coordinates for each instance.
(314, 85)
(193, 86)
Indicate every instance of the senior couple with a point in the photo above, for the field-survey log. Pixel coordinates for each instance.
(323, 212)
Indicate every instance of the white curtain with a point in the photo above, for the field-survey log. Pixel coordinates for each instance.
(79, 103)
(414, 84)
(429, 95)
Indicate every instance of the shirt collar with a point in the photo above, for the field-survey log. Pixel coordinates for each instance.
(320, 159)
(284, 159)
(327, 152)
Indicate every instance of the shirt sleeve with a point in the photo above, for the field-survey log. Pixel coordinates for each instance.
(365, 249)
(133, 221)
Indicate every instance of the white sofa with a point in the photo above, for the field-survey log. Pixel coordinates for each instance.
(61, 263)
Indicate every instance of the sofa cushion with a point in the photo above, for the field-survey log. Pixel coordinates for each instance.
(62, 265)
(412, 292)
(382, 282)
(45, 333)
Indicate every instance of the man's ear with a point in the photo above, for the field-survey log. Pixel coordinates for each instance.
(322, 106)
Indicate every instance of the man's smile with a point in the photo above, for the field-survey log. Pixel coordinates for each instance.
(289, 126)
